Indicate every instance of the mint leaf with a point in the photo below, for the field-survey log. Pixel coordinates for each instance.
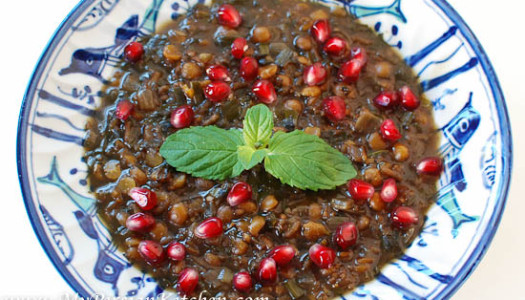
(307, 162)
(207, 152)
(258, 126)
(249, 157)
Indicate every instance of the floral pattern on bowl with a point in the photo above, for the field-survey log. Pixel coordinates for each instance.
(454, 71)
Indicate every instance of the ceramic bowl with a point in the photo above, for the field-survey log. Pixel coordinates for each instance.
(455, 73)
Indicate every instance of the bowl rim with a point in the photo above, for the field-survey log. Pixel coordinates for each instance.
(468, 267)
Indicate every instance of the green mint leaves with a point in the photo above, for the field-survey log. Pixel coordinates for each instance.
(296, 158)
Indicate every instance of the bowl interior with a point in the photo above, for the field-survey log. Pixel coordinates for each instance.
(454, 71)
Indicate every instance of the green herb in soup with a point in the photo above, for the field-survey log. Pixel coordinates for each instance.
(263, 148)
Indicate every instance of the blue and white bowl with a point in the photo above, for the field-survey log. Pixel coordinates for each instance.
(455, 73)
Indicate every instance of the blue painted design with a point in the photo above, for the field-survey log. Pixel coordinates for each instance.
(361, 11)
(416, 58)
(86, 224)
(58, 117)
(422, 268)
(85, 93)
(93, 61)
(95, 15)
(401, 289)
(59, 236)
(59, 136)
(488, 161)
(44, 95)
(428, 229)
(437, 102)
(440, 61)
(86, 204)
(432, 83)
(362, 292)
(457, 132)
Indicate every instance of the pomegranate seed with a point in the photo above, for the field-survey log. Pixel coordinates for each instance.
(188, 280)
(321, 30)
(409, 101)
(133, 51)
(218, 73)
(314, 74)
(360, 55)
(349, 71)
(403, 217)
(217, 91)
(145, 198)
(334, 108)
(140, 222)
(249, 68)
(151, 251)
(209, 228)
(389, 190)
(239, 46)
(389, 131)
(282, 255)
(182, 117)
(242, 282)
(176, 251)
(265, 91)
(229, 16)
(386, 100)
(430, 166)
(239, 193)
(322, 256)
(336, 46)
(346, 235)
(124, 110)
(267, 271)
(360, 190)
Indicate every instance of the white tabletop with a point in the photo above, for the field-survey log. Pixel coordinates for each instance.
(27, 272)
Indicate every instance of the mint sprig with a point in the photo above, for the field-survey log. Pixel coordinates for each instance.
(296, 158)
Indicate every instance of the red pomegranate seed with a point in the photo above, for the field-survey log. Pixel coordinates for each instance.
(267, 271)
(409, 100)
(151, 251)
(124, 110)
(322, 256)
(386, 100)
(321, 30)
(360, 190)
(182, 117)
(239, 193)
(140, 222)
(209, 228)
(249, 68)
(360, 55)
(389, 131)
(145, 198)
(314, 75)
(282, 255)
(336, 46)
(334, 108)
(389, 190)
(188, 280)
(239, 46)
(349, 71)
(403, 217)
(346, 235)
(133, 51)
(218, 73)
(242, 282)
(229, 16)
(430, 166)
(176, 251)
(265, 91)
(217, 91)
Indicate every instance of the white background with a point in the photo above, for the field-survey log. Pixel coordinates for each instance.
(27, 27)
